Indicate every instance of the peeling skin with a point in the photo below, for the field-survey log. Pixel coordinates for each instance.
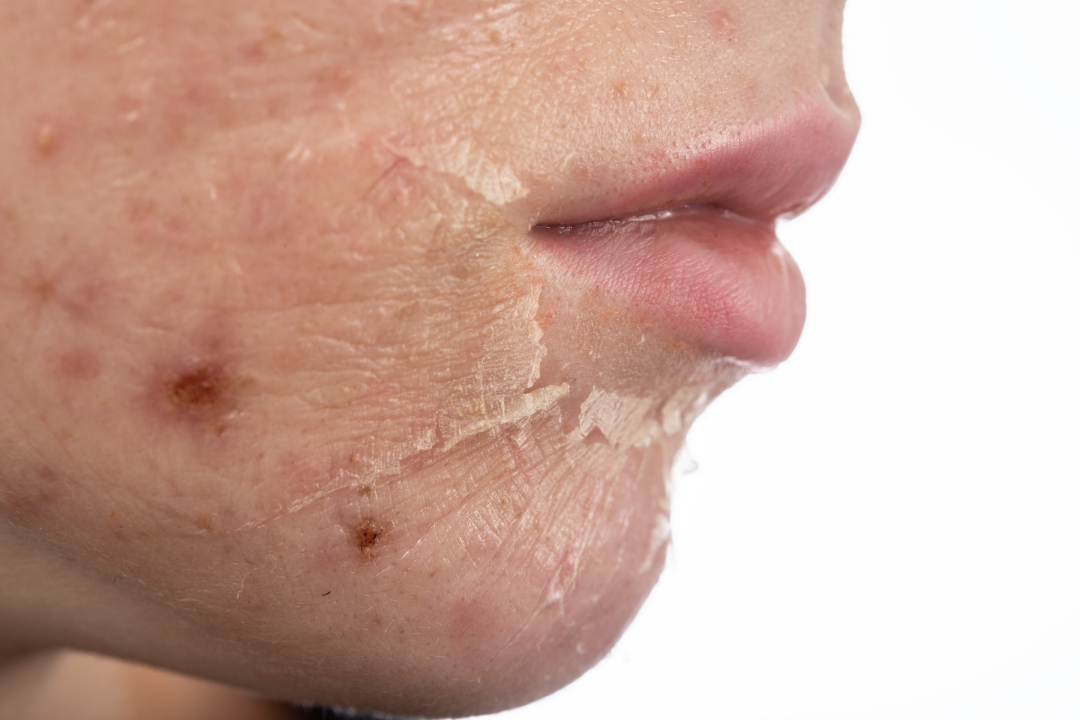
(625, 420)
(629, 421)
(510, 410)
(461, 158)
(276, 326)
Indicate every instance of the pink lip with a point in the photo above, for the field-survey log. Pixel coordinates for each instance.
(690, 244)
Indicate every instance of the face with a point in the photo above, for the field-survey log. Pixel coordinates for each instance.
(348, 346)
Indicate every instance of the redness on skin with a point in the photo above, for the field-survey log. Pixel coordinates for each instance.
(80, 365)
(723, 24)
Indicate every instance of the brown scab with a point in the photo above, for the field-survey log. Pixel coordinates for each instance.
(201, 388)
(366, 536)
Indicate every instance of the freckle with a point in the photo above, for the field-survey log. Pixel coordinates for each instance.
(112, 514)
(366, 535)
(366, 491)
(200, 388)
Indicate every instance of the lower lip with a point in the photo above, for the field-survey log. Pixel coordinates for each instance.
(714, 279)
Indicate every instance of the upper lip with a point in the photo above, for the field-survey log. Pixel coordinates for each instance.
(773, 168)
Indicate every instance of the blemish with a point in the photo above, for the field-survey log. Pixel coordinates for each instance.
(80, 365)
(723, 24)
(201, 388)
(47, 140)
(366, 536)
(42, 290)
(205, 523)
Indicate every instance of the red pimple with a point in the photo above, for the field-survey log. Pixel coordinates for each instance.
(723, 24)
(47, 140)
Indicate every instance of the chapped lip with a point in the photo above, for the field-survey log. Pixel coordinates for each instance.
(690, 242)
(774, 168)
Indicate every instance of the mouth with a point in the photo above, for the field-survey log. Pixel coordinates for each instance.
(689, 244)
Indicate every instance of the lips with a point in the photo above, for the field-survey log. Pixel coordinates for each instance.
(689, 244)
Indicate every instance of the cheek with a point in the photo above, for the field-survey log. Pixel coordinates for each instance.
(258, 328)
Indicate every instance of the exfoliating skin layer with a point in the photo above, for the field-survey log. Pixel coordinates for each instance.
(320, 373)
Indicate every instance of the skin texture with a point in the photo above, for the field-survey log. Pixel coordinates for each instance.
(289, 398)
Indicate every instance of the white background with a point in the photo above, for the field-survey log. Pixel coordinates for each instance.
(888, 526)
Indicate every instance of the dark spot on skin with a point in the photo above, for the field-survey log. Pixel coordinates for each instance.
(366, 535)
(42, 290)
(203, 387)
(205, 523)
(327, 593)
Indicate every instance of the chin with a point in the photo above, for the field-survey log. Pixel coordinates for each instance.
(479, 578)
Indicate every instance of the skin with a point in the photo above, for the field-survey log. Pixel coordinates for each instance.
(288, 399)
